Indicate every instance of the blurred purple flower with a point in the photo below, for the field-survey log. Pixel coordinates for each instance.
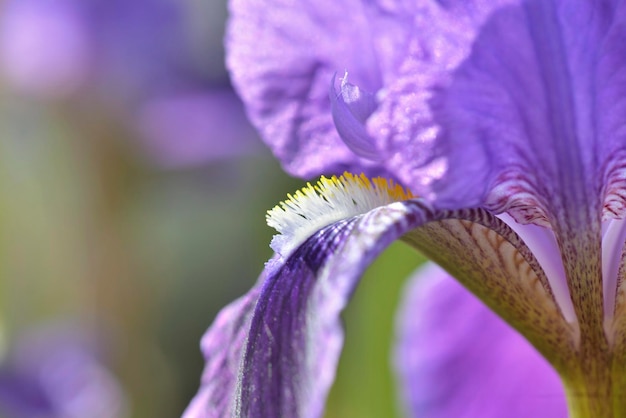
(505, 117)
(139, 59)
(195, 128)
(116, 49)
(56, 373)
(45, 46)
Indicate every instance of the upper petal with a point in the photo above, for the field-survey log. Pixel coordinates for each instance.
(529, 118)
(404, 125)
(457, 359)
(282, 56)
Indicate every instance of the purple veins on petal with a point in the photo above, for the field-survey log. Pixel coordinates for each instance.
(275, 352)
(530, 104)
(222, 347)
(290, 357)
(285, 357)
(259, 361)
(457, 359)
(478, 102)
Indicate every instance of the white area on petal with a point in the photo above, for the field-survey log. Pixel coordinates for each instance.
(542, 243)
(612, 245)
(330, 200)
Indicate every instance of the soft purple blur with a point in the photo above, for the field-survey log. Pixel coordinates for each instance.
(147, 63)
(28, 30)
(457, 359)
(112, 48)
(57, 372)
(191, 129)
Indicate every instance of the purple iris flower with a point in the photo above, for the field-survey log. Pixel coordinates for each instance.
(506, 120)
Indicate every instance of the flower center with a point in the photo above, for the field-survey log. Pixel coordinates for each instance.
(330, 200)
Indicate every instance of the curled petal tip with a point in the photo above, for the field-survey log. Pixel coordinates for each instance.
(351, 106)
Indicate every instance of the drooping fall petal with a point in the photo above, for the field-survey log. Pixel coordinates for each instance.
(222, 347)
(289, 356)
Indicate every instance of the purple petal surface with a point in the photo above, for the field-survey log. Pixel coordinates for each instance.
(282, 56)
(527, 115)
(295, 336)
(457, 359)
(287, 363)
(222, 346)
(441, 37)
(504, 103)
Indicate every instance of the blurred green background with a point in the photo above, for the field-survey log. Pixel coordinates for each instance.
(129, 207)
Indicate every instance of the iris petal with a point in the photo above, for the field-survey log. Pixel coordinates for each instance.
(405, 125)
(289, 358)
(222, 347)
(456, 358)
(530, 108)
(520, 108)
(282, 56)
(539, 114)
